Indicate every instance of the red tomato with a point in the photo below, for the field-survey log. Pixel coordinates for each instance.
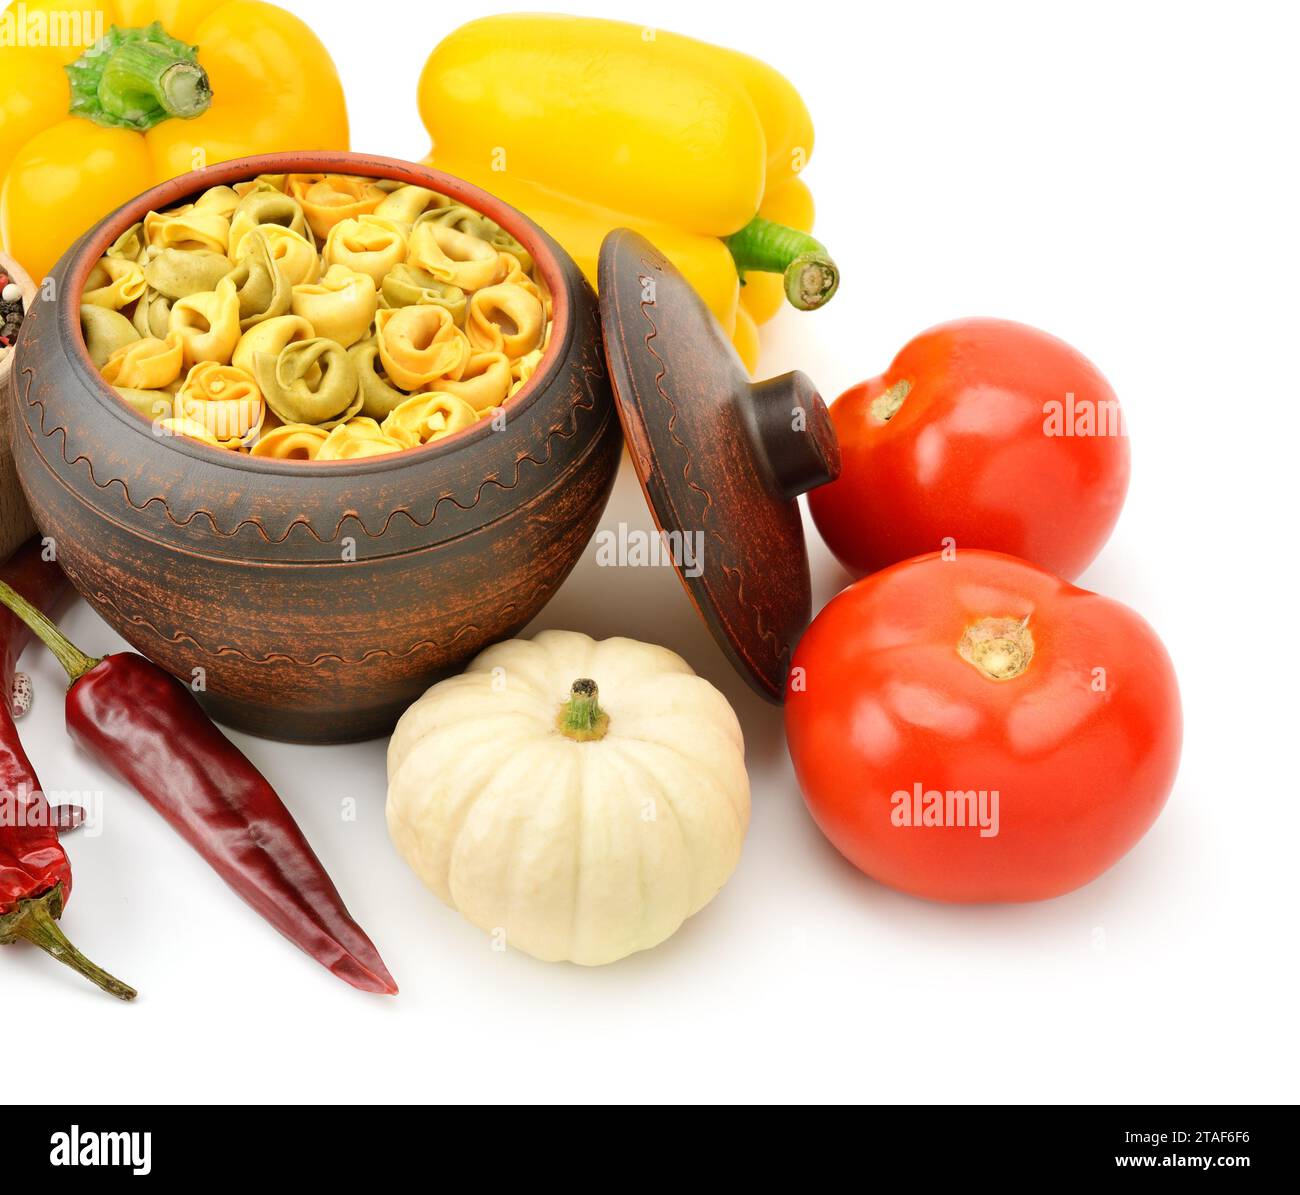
(1003, 437)
(1045, 718)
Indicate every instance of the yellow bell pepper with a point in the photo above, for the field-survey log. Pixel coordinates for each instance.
(86, 125)
(587, 125)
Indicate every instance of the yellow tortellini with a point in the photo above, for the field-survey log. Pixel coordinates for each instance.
(486, 382)
(421, 345)
(145, 364)
(225, 400)
(408, 203)
(341, 306)
(294, 255)
(191, 227)
(327, 199)
(428, 417)
(270, 337)
(505, 319)
(208, 323)
(370, 244)
(154, 405)
(114, 283)
(454, 256)
(316, 317)
(191, 429)
(291, 442)
(360, 437)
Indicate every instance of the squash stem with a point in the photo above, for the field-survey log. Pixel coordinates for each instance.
(581, 718)
(811, 277)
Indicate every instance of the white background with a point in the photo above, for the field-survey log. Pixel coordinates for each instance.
(1121, 175)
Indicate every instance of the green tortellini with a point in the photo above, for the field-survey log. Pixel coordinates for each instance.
(130, 246)
(378, 394)
(105, 331)
(265, 205)
(264, 292)
(175, 273)
(467, 220)
(153, 314)
(409, 286)
(311, 381)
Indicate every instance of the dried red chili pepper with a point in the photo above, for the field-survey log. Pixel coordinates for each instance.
(147, 727)
(43, 583)
(35, 876)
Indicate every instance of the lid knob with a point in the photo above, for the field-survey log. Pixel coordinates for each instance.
(793, 435)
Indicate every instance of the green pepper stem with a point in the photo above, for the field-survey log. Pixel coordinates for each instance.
(34, 921)
(75, 662)
(137, 78)
(581, 718)
(811, 277)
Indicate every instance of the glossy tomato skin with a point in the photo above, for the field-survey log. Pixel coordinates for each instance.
(976, 453)
(880, 700)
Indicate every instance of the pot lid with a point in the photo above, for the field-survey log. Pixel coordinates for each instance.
(721, 461)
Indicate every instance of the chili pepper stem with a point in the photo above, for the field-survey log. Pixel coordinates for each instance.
(581, 718)
(136, 78)
(75, 662)
(34, 922)
(811, 277)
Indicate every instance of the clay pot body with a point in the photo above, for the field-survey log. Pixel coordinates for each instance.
(314, 602)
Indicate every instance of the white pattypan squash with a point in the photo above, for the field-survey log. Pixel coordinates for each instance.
(583, 822)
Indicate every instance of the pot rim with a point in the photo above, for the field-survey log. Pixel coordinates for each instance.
(86, 253)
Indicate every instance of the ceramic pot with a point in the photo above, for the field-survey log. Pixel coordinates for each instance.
(314, 602)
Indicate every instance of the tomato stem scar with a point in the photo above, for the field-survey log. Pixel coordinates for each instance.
(885, 406)
(998, 648)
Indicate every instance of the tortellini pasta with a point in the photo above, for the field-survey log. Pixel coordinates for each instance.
(312, 381)
(270, 337)
(291, 442)
(454, 256)
(328, 199)
(145, 364)
(341, 306)
(208, 323)
(409, 286)
(176, 274)
(421, 345)
(316, 317)
(360, 437)
(370, 244)
(294, 255)
(225, 400)
(432, 416)
(105, 331)
(505, 319)
(486, 382)
(114, 283)
(192, 227)
(261, 206)
(263, 290)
